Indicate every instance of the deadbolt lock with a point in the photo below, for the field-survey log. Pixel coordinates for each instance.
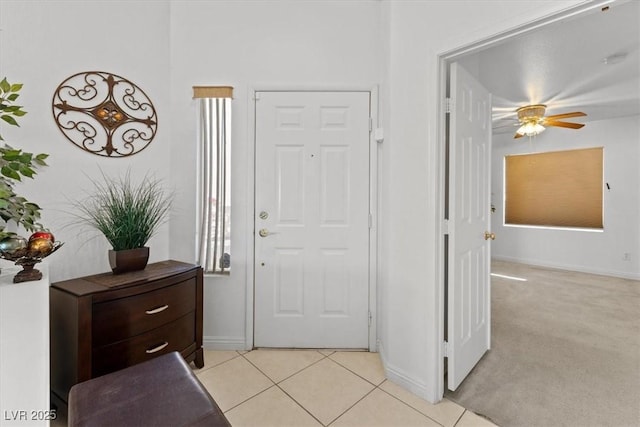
(264, 215)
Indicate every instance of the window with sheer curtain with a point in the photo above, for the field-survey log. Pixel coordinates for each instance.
(555, 189)
(214, 150)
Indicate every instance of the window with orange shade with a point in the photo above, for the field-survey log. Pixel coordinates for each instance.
(555, 189)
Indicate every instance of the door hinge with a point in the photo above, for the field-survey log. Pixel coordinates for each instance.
(370, 220)
(445, 349)
(448, 105)
(370, 318)
(256, 96)
(445, 226)
(370, 124)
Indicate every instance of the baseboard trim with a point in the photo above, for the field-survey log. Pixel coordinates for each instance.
(403, 379)
(223, 343)
(570, 267)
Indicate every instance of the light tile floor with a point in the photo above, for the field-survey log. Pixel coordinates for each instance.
(318, 388)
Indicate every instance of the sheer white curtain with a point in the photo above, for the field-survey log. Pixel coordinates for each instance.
(214, 235)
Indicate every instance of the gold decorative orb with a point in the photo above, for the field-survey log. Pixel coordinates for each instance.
(40, 247)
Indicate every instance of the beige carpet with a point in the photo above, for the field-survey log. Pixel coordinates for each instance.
(565, 351)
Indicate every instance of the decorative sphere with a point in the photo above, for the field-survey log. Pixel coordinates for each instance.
(13, 244)
(42, 234)
(40, 246)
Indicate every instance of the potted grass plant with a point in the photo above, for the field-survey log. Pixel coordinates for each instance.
(128, 214)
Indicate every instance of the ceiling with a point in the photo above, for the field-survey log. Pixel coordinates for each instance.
(563, 66)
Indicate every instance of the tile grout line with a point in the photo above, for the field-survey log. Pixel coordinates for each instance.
(460, 417)
(410, 406)
(355, 373)
(238, 354)
(203, 369)
(300, 405)
(348, 370)
(284, 379)
(250, 397)
(350, 407)
(277, 384)
(273, 383)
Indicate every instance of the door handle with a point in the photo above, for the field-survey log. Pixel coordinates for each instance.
(264, 232)
(488, 235)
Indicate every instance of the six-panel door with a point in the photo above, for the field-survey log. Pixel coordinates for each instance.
(312, 219)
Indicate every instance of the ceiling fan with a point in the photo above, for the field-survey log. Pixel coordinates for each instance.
(533, 121)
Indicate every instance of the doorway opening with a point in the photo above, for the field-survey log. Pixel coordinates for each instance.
(448, 171)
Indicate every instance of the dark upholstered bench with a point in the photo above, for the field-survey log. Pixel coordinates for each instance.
(160, 392)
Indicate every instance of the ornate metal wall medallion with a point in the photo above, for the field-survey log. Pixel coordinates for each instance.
(104, 114)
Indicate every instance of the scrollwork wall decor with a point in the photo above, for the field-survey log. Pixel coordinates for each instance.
(104, 114)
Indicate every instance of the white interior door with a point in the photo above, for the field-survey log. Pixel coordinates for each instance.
(312, 220)
(469, 298)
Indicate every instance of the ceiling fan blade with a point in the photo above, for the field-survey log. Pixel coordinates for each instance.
(563, 124)
(517, 135)
(565, 115)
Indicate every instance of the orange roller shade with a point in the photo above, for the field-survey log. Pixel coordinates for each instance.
(557, 189)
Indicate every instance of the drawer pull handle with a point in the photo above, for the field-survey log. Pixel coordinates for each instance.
(158, 348)
(157, 310)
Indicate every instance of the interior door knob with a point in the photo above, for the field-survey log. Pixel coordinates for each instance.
(488, 235)
(264, 232)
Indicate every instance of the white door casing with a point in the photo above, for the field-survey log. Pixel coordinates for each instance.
(469, 298)
(312, 219)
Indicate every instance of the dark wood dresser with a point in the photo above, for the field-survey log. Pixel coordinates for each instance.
(106, 322)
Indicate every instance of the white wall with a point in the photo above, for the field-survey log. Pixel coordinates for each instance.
(593, 252)
(41, 44)
(254, 45)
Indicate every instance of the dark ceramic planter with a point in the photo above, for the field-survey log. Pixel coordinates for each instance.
(128, 260)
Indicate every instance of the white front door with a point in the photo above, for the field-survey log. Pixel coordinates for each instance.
(469, 298)
(312, 220)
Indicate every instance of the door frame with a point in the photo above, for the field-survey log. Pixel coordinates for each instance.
(374, 202)
(444, 58)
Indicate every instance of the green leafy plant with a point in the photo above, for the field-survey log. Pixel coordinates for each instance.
(127, 214)
(14, 165)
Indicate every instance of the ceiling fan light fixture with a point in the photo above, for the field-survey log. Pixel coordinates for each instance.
(530, 128)
(532, 119)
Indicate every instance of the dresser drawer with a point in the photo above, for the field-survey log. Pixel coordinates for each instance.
(175, 336)
(131, 316)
